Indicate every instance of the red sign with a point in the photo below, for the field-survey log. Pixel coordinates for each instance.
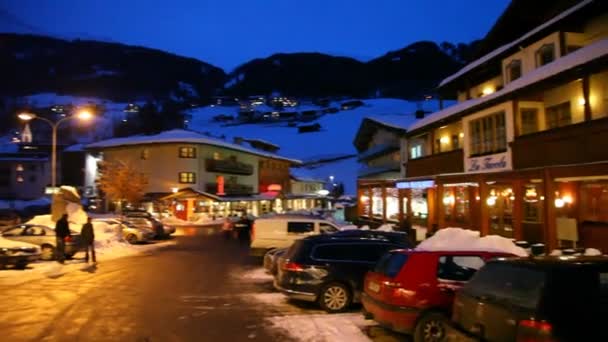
(220, 185)
(275, 187)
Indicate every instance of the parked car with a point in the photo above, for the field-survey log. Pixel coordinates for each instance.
(130, 232)
(17, 254)
(147, 223)
(329, 270)
(9, 218)
(44, 237)
(535, 299)
(271, 257)
(281, 231)
(412, 291)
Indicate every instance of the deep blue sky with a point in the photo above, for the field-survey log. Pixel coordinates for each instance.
(227, 33)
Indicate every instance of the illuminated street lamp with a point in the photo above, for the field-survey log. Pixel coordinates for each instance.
(83, 115)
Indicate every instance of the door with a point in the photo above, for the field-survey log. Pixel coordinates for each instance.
(180, 210)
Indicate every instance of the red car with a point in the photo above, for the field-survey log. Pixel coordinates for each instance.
(412, 291)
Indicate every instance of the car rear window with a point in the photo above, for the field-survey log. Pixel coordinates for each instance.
(368, 252)
(300, 227)
(294, 249)
(520, 286)
(458, 267)
(390, 264)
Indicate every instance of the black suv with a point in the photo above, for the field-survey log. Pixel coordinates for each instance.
(329, 269)
(535, 299)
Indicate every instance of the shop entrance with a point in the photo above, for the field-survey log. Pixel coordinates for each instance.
(500, 203)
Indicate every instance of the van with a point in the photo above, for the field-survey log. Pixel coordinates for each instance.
(282, 230)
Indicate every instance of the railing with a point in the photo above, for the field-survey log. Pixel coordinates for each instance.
(445, 162)
(230, 189)
(228, 166)
(574, 144)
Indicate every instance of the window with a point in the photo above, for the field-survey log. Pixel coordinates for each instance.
(458, 268)
(416, 151)
(327, 228)
(513, 70)
(145, 154)
(558, 115)
(19, 167)
(368, 253)
(488, 134)
(545, 54)
(300, 227)
(392, 204)
(218, 156)
(390, 264)
(187, 152)
(455, 142)
(529, 120)
(187, 177)
(377, 203)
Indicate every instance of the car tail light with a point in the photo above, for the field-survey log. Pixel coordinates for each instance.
(67, 239)
(293, 266)
(531, 330)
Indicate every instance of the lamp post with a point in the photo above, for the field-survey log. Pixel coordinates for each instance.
(83, 115)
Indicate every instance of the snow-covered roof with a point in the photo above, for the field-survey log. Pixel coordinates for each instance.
(581, 56)
(369, 171)
(74, 148)
(182, 136)
(304, 175)
(397, 121)
(499, 51)
(376, 150)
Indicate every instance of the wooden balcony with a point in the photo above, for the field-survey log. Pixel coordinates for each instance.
(446, 162)
(575, 144)
(230, 189)
(228, 166)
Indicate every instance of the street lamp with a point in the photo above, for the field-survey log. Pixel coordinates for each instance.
(83, 115)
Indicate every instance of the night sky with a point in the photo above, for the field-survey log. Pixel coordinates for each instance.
(227, 33)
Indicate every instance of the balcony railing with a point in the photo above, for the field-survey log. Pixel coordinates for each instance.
(574, 144)
(228, 166)
(230, 189)
(445, 162)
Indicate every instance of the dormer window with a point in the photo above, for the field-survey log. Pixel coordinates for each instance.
(545, 54)
(513, 70)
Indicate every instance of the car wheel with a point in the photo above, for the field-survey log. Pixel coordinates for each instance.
(21, 265)
(132, 239)
(335, 297)
(431, 328)
(47, 252)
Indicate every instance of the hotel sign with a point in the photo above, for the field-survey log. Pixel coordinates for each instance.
(495, 162)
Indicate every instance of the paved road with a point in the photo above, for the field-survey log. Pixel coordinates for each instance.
(190, 291)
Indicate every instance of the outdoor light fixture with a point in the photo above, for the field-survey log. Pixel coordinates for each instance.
(559, 203)
(461, 135)
(487, 90)
(581, 101)
(444, 139)
(491, 201)
(174, 190)
(325, 192)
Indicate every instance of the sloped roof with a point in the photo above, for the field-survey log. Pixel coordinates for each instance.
(369, 125)
(579, 57)
(503, 50)
(182, 136)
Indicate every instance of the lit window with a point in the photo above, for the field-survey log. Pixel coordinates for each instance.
(217, 156)
(19, 167)
(416, 151)
(145, 154)
(187, 177)
(187, 152)
(488, 134)
(558, 116)
(19, 179)
(529, 120)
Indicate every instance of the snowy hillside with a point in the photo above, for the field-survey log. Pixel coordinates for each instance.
(335, 137)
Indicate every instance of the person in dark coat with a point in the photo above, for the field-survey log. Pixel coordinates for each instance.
(88, 240)
(62, 231)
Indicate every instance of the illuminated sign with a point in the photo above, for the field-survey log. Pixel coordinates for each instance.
(220, 185)
(496, 162)
(275, 187)
(415, 185)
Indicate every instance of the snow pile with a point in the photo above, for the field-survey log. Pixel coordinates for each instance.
(593, 252)
(386, 228)
(323, 327)
(458, 239)
(202, 220)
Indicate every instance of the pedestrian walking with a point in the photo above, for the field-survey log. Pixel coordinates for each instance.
(227, 228)
(88, 240)
(62, 231)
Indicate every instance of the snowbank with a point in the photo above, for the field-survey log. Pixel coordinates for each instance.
(200, 221)
(323, 328)
(458, 239)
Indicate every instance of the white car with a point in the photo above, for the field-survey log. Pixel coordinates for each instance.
(282, 230)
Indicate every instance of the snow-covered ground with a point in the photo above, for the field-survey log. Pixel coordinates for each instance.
(108, 245)
(335, 137)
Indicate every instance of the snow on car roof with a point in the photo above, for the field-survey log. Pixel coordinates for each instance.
(458, 239)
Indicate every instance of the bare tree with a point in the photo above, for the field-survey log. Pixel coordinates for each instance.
(121, 182)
